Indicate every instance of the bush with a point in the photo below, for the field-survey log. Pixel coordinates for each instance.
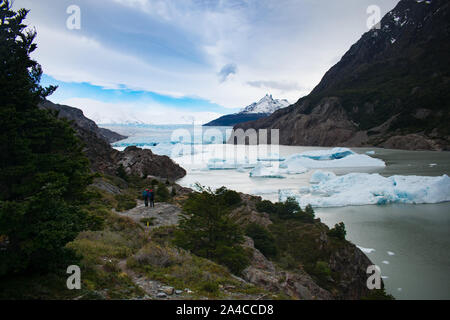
(263, 239)
(290, 209)
(322, 269)
(125, 202)
(338, 231)
(235, 258)
(208, 232)
(229, 198)
(158, 256)
(210, 287)
(266, 206)
(162, 193)
(121, 173)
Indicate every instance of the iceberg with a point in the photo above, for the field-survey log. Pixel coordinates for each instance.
(366, 250)
(329, 154)
(230, 164)
(320, 176)
(356, 189)
(271, 157)
(261, 171)
(333, 158)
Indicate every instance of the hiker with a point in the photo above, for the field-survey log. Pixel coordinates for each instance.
(146, 195)
(152, 198)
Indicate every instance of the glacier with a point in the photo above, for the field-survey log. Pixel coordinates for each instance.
(357, 189)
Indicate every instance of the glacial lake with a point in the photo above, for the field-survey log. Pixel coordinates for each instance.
(410, 243)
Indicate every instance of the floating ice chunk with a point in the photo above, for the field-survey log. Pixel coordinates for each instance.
(329, 154)
(391, 253)
(370, 152)
(433, 164)
(362, 189)
(385, 262)
(333, 158)
(261, 171)
(320, 176)
(399, 289)
(384, 277)
(271, 157)
(366, 250)
(229, 164)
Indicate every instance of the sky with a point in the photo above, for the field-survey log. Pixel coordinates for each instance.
(179, 61)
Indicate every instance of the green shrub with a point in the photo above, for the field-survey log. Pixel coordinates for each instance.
(208, 232)
(229, 198)
(338, 231)
(121, 173)
(263, 239)
(162, 193)
(235, 258)
(322, 269)
(266, 206)
(290, 209)
(210, 287)
(125, 202)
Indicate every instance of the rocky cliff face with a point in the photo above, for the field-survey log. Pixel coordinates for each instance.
(76, 115)
(389, 90)
(105, 159)
(304, 245)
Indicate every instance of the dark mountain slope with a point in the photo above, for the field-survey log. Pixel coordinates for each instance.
(233, 119)
(103, 158)
(391, 89)
(74, 114)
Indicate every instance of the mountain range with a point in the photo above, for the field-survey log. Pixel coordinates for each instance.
(391, 89)
(257, 110)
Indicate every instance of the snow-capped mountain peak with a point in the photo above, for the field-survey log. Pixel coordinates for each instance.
(266, 105)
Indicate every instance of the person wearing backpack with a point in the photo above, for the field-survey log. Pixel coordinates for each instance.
(146, 196)
(152, 198)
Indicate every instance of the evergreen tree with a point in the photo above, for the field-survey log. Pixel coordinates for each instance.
(44, 172)
(208, 232)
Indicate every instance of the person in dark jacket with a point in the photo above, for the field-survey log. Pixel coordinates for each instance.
(152, 198)
(146, 196)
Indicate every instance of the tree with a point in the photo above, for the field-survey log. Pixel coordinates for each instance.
(338, 231)
(263, 239)
(162, 193)
(44, 171)
(207, 231)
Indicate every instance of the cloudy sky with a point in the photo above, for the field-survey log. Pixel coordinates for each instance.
(175, 61)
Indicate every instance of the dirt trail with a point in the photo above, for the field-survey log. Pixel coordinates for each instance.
(163, 214)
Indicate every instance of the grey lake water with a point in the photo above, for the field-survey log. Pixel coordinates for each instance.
(410, 243)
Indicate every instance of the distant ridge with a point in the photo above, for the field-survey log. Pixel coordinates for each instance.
(390, 90)
(257, 110)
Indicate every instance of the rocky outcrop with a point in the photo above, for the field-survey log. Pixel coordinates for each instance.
(389, 90)
(298, 285)
(103, 158)
(77, 116)
(143, 162)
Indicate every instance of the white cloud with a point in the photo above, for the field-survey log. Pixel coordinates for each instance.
(284, 46)
(149, 113)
